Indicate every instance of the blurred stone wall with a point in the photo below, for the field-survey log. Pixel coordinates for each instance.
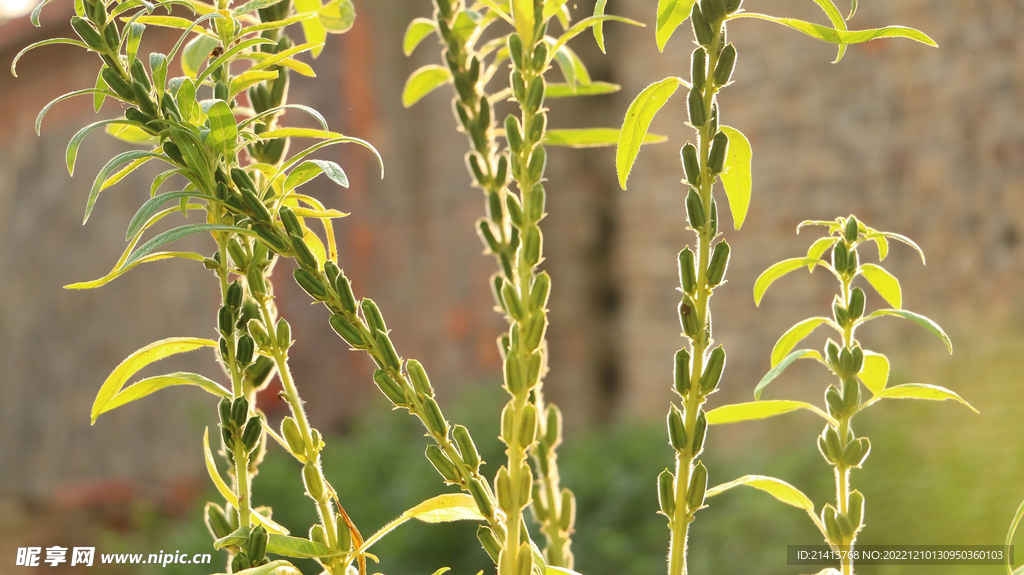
(920, 141)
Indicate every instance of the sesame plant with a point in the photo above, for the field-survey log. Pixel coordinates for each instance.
(850, 365)
(510, 231)
(721, 153)
(217, 129)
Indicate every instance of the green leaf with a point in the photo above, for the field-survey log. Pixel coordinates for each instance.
(423, 81)
(338, 16)
(916, 318)
(41, 43)
(775, 272)
(181, 232)
(313, 29)
(585, 23)
(884, 283)
(101, 86)
(671, 13)
(152, 205)
(34, 17)
(131, 133)
(736, 178)
(591, 137)
(552, 570)
(101, 179)
(737, 412)
(310, 169)
(71, 155)
(880, 237)
(918, 391)
(599, 27)
(285, 545)
(818, 249)
(247, 79)
(836, 17)
(1017, 518)
(119, 271)
(59, 99)
(638, 120)
(794, 336)
(223, 129)
(826, 34)
(875, 371)
(555, 90)
(417, 31)
(151, 353)
(778, 489)
(254, 5)
(523, 18)
(781, 366)
(150, 385)
(439, 509)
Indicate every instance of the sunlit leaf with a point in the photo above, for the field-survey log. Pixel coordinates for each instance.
(884, 283)
(310, 169)
(916, 318)
(41, 43)
(313, 29)
(775, 272)
(782, 365)
(338, 16)
(1017, 518)
(671, 13)
(555, 90)
(638, 121)
(793, 336)
(599, 7)
(229, 496)
(919, 391)
(736, 178)
(834, 36)
(439, 509)
(591, 137)
(423, 81)
(151, 385)
(223, 129)
(417, 31)
(737, 412)
(875, 371)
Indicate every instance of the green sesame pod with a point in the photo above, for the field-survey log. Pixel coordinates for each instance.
(435, 420)
(698, 67)
(852, 230)
(832, 442)
(495, 211)
(513, 372)
(853, 454)
(345, 295)
(96, 12)
(256, 545)
(855, 510)
(732, 5)
(691, 163)
(418, 376)
(254, 277)
(718, 264)
(255, 206)
(310, 283)
(344, 535)
(481, 497)
(553, 425)
(372, 315)
(712, 9)
(303, 255)
(515, 50)
(389, 386)
(216, 521)
(681, 372)
(222, 346)
(701, 28)
(489, 542)
(233, 295)
(221, 91)
(467, 448)
(535, 94)
(513, 133)
(291, 221)
(243, 180)
(714, 218)
(832, 353)
(293, 436)
(111, 37)
(726, 64)
(513, 304)
(252, 432)
(857, 302)
(719, 147)
(842, 316)
(474, 163)
(259, 333)
(687, 270)
(852, 262)
(698, 487)
(283, 332)
(172, 151)
(538, 125)
(700, 430)
(139, 75)
(695, 210)
(442, 464)
(240, 562)
(540, 290)
(834, 399)
(501, 173)
(259, 373)
(246, 349)
(317, 534)
(676, 429)
(666, 493)
(136, 115)
(333, 272)
(840, 254)
(314, 481)
(695, 105)
(540, 56)
(846, 361)
(828, 517)
(713, 370)
(87, 33)
(532, 243)
(568, 516)
(347, 331)
(528, 425)
(143, 99)
(688, 316)
(826, 451)
(220, 191)
(845, 526)
(538, 161)
(515, 210)
(239, 411)
(538, 203)
(224, 410)
(120, 86)
(858, 359)
(387, 350)
(226, 320)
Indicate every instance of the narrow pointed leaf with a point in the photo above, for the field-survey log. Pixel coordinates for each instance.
(749, 411)
(591, 137)
(417, 31)
(875, 371)
(782, 365)
(831, 35)
(671, 13)
(775, 272)
(151, 385)
(736, 178)
(793, 336)
(920, 391)
(884, 283)
(638, 121)
(919, 320)
(424, 81)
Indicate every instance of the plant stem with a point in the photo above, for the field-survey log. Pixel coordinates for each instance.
(680, 523)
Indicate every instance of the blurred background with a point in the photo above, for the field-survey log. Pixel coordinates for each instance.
(924, 142)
